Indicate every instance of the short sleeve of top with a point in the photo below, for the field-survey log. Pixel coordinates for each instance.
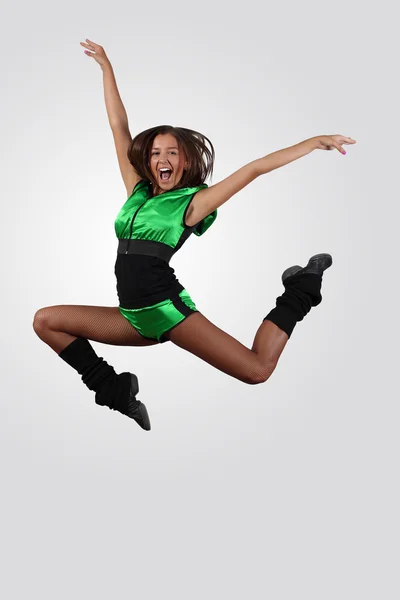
(202, 226)
(205, 223)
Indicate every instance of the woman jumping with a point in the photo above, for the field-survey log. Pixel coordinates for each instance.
(164, 170)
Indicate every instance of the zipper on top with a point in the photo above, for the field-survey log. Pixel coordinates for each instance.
(133, 218)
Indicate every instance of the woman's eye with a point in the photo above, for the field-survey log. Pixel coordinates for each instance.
(154, 153)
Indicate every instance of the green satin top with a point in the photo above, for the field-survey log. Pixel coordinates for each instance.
(159, 218)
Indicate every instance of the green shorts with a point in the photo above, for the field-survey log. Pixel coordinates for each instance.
(154, 322)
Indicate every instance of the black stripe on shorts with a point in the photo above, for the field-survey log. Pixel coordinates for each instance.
(183, 308)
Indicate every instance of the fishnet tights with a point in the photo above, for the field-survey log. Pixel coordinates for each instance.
(58, 326)
(198, 335)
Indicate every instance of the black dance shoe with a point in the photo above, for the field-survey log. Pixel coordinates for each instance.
(118, 392)
(136, 410)
(317, 264)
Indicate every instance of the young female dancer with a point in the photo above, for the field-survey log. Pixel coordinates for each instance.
(164, 169)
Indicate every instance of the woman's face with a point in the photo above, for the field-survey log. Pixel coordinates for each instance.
(166, 154)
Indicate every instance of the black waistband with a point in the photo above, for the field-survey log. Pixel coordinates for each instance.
(148, 247)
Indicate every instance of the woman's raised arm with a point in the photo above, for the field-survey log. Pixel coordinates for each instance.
(116, 113)
(211, 198)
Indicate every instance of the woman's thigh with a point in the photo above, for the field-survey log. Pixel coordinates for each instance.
(97, 323)
(201, 337)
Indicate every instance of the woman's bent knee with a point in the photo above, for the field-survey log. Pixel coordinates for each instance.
(260, 375)
(40, 321)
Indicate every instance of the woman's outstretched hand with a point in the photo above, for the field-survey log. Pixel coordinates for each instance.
(97, 52)
(329, 142)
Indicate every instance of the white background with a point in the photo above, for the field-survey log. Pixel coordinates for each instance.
(283, 490)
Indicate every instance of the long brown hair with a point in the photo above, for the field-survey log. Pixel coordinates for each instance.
(200, 158)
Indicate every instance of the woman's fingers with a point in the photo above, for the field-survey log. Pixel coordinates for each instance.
(91, 46)
(329, 142)
(339, 147)
(97, 52)
(344, 140)
(95, 46)
(341, 140)
(347, 140)
(87, 51)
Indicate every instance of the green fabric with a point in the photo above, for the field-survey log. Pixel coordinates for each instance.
(158, 218)
(153, 321)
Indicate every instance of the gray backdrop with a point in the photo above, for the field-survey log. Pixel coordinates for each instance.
(284, 490)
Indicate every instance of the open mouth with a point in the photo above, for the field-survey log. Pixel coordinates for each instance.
(165, 174)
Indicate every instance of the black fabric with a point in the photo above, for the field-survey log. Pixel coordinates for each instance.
(114, 393)
(147, 247)
(111, 390)
(184, 309)
(144, 280)
(301, 293)
(80, 355)
(283, 317)
(181, 306)
(185, 234)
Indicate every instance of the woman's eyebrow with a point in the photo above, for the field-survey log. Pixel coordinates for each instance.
(169, 148)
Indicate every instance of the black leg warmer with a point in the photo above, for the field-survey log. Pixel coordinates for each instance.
(112, 390)
(301, 293)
